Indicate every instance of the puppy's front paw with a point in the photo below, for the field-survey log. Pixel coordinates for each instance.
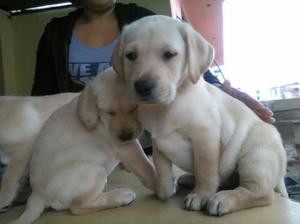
(127, 197)
(164, 194)
(4, 208)
(122, 197)
(220, 204)
(166, 190)
(196, 201)
(5, 203)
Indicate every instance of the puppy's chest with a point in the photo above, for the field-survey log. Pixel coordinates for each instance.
(162, 121)
(177, 148)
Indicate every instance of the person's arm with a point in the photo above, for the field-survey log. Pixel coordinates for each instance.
(45, 78)
(264, 113)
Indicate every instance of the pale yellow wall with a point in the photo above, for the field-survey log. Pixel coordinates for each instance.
(19, 40)
(1, 72)
(7, 69)
(20, 36)
(158, 6)
(28, 29)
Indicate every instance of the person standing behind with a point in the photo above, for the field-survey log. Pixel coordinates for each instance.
(76, 47)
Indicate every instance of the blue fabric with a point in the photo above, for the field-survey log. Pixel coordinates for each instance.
(210, 78)
(86, 62)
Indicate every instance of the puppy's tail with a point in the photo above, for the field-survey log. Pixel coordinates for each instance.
(34, 208)
(280, 188)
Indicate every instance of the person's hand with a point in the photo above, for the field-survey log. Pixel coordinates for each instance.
(264, 113)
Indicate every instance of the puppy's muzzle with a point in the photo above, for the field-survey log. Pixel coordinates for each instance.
(125, 136)
(144, 87)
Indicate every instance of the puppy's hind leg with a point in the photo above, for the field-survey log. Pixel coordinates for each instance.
(256, 188)
(14, 172)
(280, 188)
(96, 200)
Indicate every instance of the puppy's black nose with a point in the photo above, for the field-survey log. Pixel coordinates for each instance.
(125, 136)
(144, 87)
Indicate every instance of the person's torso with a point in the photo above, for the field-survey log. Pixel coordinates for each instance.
(86, 62)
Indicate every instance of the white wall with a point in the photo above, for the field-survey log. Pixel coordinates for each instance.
(28, 29)
(19, 40)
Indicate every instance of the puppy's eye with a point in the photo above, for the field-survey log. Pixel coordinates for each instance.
(131, 56)
(132, 110)
(169, 54)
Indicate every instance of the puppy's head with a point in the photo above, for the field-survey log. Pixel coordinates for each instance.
(157, 54)
(104, 100)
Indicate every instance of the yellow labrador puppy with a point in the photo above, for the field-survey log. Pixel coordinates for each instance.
(21, 119)
(79, 146)
(193, 124)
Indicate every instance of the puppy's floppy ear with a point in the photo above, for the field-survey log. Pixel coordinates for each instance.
(117, 57)
(87, 108)
(199, 53)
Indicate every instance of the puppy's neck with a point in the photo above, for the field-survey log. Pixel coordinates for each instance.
(187, 85)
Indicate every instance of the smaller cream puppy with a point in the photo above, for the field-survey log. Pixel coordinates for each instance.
(80, 145)
(194, 124)
(21, 119)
